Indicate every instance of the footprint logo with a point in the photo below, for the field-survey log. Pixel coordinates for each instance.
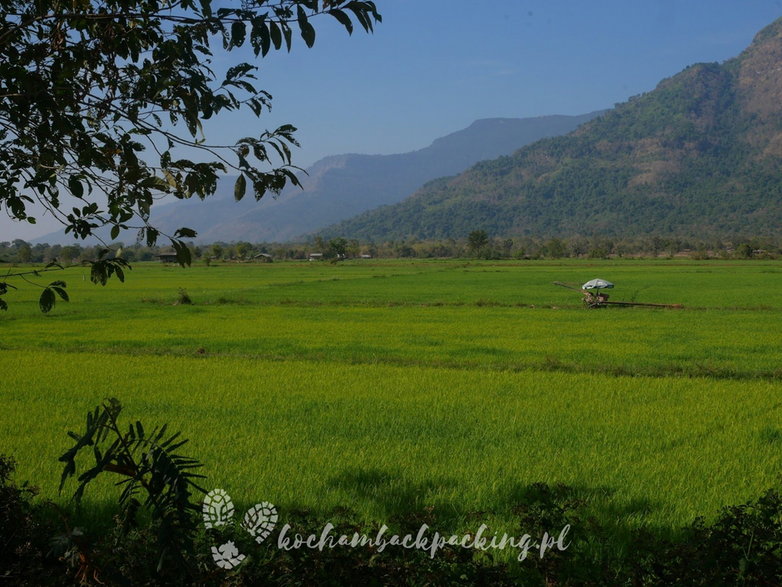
(218, 510)
(227, 555)
(260, 520)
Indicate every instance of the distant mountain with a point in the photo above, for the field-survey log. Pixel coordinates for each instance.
(701, 155)
(341, 186)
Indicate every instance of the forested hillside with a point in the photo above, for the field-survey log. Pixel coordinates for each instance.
(698, 156)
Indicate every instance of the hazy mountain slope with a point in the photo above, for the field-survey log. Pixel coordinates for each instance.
(700, 155)
(341, 186)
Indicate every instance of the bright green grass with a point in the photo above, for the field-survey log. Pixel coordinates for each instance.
(392, 386)
(735, 344)
(383, 439)
(712, 284)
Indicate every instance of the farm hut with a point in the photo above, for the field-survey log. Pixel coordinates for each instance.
(167, 256)
(263, 258)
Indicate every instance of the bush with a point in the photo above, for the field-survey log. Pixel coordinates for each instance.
(183, 298)
(24, 535)
(742, 547)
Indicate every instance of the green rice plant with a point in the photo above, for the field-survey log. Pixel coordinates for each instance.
(409, 386)
(386, 440)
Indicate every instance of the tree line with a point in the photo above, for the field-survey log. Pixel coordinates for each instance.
(477, 244)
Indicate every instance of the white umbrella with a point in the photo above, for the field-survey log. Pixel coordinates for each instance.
(597, 284)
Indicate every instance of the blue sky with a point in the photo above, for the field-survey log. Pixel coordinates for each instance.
(434, 66)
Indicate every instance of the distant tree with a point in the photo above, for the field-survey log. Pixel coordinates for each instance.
(320, 244)
(243, 249)
(555, 248)
(144, 254)
(338, 247)
(657, 245)
(217, 251)
(50, 252)
(353, 248)
(744, 251)
(578, 246)
(404, 250)
(623, 247)
(598, 252)
(282, 253)
(69, 253)
(477, 239)
(24, 253)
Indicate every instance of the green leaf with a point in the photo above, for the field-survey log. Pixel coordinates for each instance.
(276, 35)
(152, 234)
(240, 188)
(343, 19)
(185, 233)
(59, 290)
(46, 301)
(266, 40)
(238, 32)
(307, 30)
(183, 255)
(75, 186)
(98, 273)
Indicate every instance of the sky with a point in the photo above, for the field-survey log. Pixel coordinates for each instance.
(432, 67)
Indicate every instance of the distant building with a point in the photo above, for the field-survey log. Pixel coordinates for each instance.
(365, 256)
(315, 256)
(263, 258)
(167, 256)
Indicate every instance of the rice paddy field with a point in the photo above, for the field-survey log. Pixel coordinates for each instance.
(390, 387)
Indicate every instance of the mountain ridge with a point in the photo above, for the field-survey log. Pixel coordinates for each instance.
(697, 156)
(339, 186)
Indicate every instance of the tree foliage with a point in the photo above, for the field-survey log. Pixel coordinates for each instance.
(477, 239)
(103, 101)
